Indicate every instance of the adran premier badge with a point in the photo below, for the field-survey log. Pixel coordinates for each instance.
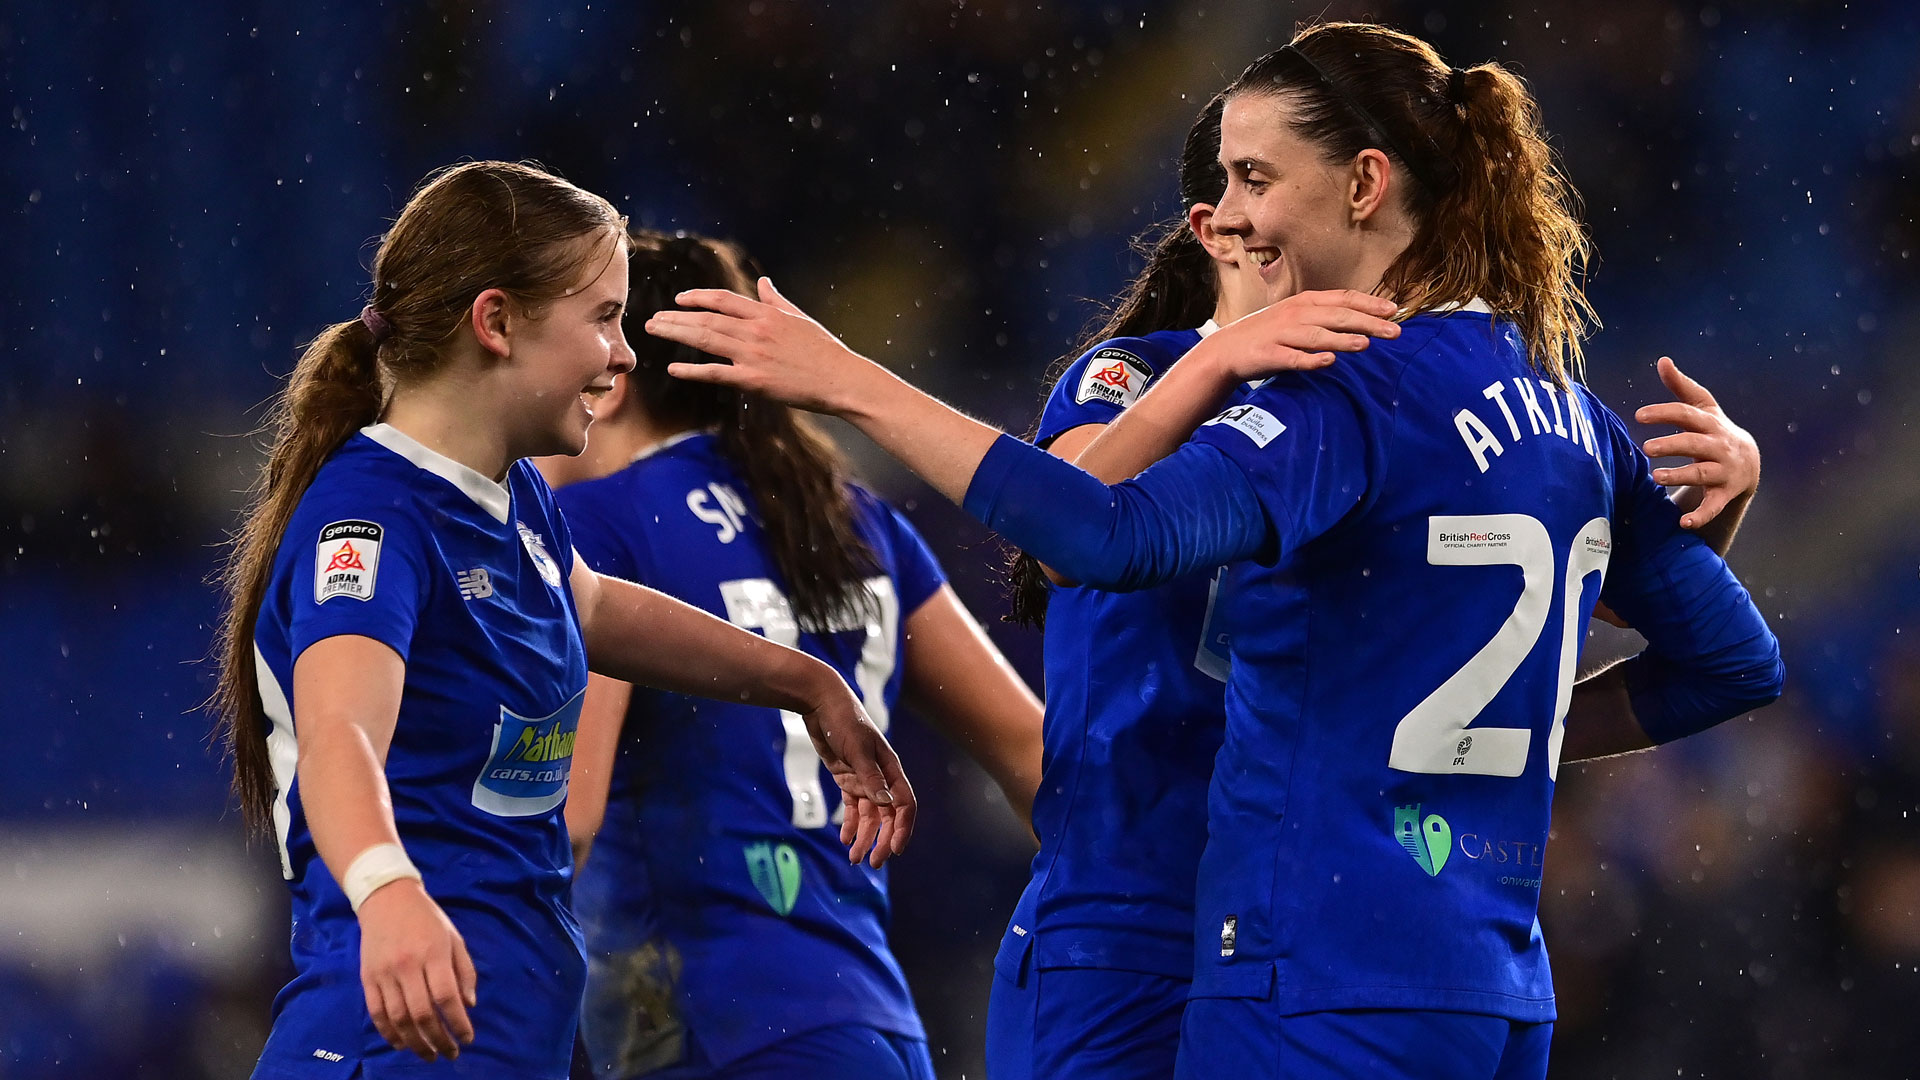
(347, 561)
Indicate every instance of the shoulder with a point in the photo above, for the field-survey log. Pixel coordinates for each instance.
(362, 481)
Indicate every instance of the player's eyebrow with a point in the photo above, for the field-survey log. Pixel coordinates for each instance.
(609, 307)
(1249, 164)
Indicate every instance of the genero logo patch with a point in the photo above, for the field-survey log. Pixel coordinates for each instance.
(346, 561)
(1114, 376)
(528, 765)
(1252, 421)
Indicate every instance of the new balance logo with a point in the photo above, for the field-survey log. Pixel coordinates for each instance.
(474, 583)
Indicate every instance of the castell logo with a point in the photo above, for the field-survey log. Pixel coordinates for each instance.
(1116, 375)
(1429, 841)
(346, 559)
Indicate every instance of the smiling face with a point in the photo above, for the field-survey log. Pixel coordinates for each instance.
(1292, 210)
(566, 359)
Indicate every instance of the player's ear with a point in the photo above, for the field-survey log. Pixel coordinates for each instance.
(1369, 179)
(1200, 220)
(490, 322)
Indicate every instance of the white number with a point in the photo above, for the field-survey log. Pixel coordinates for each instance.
(1211, 660)
(1435, 737)
(758, 604)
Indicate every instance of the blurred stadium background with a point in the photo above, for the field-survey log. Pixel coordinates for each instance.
(189, 192)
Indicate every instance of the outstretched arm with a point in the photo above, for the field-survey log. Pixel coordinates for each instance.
(623, 625)
(774, 349)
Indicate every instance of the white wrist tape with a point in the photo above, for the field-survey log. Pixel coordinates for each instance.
(381, 864)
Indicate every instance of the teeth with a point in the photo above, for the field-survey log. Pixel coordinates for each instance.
(1263, 258)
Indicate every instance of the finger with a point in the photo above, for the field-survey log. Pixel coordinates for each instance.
(849, 820)
(883, 840)
(1352, 298)
(1711, 503)
(382, 1017)
(1351, 321)
(1308, 338)
(771, 295)
(463, 970)
(715, 335)
(869, 829)
(401, 1017)
(426, 1024)
(1684, 444)
(1682, 387)
(718, 374)
(1701, 474)
(444, 986)
(906, 807)
(1678, 414)
(725, 301)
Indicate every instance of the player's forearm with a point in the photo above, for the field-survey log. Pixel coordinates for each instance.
(343, 792)
(1192, 391)
(940, 444)
(963, 686)
(641, 636)
(1600, 720)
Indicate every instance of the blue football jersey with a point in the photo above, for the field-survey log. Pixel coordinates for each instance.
(1401, 670)
(466, 579)
(1135, 694)
(718, 901)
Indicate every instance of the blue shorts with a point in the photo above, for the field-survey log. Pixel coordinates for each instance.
(1243, 1038)
(829, 1053)
(1083, 1024)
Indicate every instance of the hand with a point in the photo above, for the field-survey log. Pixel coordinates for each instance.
(775, 349)
(1302, 332)
(876, 798)
(1726, 463)
(415, 970)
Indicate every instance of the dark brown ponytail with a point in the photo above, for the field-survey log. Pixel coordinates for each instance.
(795, 476)
(471, 227)
(1176, 289)
(1495, 217)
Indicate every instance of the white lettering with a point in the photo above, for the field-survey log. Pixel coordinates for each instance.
(728, 518)
(1479, 440)
(1553, 396)
(1536, 416)
(1498, 395)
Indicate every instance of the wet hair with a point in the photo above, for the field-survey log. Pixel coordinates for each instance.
(1494, 215)
(1177, 288)
(795, 475)
(469, 228)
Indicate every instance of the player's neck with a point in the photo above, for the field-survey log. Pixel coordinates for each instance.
(452, 426)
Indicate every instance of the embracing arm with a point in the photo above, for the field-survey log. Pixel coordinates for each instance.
(639, 635)
(1302, 332)
(413, 963)
(958, 681)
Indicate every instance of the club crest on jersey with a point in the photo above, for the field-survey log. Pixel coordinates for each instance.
(346, 561)
(1428, 840)
(527, 769)
(1114, 376)
(1252, 421)
(543, 562)
(775, 870)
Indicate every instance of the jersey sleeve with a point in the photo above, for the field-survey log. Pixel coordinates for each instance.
(917, 574)
(1193, 510)
(361, 566)
(1300, 443)
(1100, 385)
(1710, 655)
(605, 547)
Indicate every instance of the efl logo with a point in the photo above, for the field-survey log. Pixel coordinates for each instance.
(346, 561)
(1114, 376)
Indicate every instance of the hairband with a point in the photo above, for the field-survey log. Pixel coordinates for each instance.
(377, 324)
(1422, 172)
(1457, 86)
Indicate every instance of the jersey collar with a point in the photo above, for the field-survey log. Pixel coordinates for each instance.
(492, 497)
(1206, 329)
(1475, 305)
